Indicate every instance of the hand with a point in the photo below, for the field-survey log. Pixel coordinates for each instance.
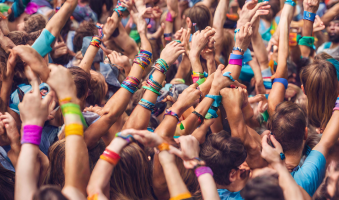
(59, 48)
(171, 52)
(5, 42)
(256, 19)
(4, 26)
(166, 157)
(109, 28)
(12, 131)
(208, 52)
(140, 21)
(186, 99)
(178, 34)
(234, 97)
(61, 81)
(11, 62)
(33, 59)
(243, 37)
(33, 109)
(318, 24)
(156, 11)
(200, 40)
(311, 5)
(96, 109)
(115, 58)
(148, 138)
(262, 106)
(185, 38)
(270, 154)
(189, 149)
(249, 10)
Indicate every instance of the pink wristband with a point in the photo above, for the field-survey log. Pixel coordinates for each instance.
(202, 170)
(335, 108)
(235, 62)
(169, 17)
(195, 79)
(32, 134)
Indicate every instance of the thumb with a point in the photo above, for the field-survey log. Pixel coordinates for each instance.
(175, 151)
(276, 144)
(237, 84)
(47, 101)
(106, 51)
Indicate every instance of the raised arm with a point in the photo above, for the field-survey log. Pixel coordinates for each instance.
(92, 50)
(7, 81)
(330, 14)
(220, 18)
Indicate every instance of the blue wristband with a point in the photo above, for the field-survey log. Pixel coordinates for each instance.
(216, 98)
(228, 74)
(43, 44)
(237, 30)
(292, 3)
(309, 16)
(211, 114)
(281, 80)
(236, 56)
(282, 156)
(238, 49)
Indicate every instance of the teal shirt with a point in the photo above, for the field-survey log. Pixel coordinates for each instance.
(227, 195)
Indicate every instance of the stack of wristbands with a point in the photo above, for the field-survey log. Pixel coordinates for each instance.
(212, 111)
(130, 84)
(198, 77)
(96, 41)
(168, 37)
(266, 76)
(119, 9)
(161, 66)
(74, 121)
(146, 104)
(153, 85)
(236, 59)
(143, 59)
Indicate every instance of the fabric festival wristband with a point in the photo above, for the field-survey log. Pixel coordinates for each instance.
(202, 170)
(309, 16)
(163, 147)
(216, 98)
(265, 116)
(306, 41)
(74, 108)
(235, 62)
(201, 81)
(32, 134)
(211, 114)
(290, 2)
(169, 112)
(281, 80)
(228, 74)
(200, 117)
(236, 56)
(181, 196)
(74, 129)
(43, 44)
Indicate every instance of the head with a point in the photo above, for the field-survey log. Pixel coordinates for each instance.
(82, 80)
(98, 89)
(320, 85)
(263, 187)
(224, 155)
(288, 125)
(329, 188)
(6, 183)
(33, 23)
(48, 192)
(333, 30)
(56, 155)
(100, 6)
(275, 8)
(200, 15)
(132, 177)
(86, 28)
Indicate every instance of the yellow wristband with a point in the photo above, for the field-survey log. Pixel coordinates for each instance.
(108, 159)
(182, 196)
(93, 197)
(74, 129)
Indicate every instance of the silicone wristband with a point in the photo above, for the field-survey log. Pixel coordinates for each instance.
(335, 108)
(72, 107)
(181, 196)
(74, 129)
(228, 74)
(281, 80)
(236, 56)
(151, 89)
(235, 62)
(128, 138)
(32, 134)
(43, 44)
(309, 16)
(169, 17)
(110, 156)
(282, 156)
(202, 170)
(163, 147)
(201, 81)
(290, 2)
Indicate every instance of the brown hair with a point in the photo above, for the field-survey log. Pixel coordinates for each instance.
(48, 192)
(288, 125)
(97, 89)
(86, 28)
(56, 155)
(321, 88)
(82, 80)
(35, 23)
(227, 45)
(222, 153)
(132, 176)
(200, 15)
(6, 183)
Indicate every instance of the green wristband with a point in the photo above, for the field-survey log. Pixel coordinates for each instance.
(201, 81)
(265, 116)
(74, 109)
(307, 41)
(151, 89)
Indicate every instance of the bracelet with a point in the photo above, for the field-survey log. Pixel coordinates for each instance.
(238, 49)
(235, 62)
(216, 98)
(181, 126)
(201, 81)
(161, 66)
(96, 41)
(93, 197)
(131, 84)
(169, 17)
(110, 156)
(290, 2)
(179, 80)
(32, 134)
(128, 138)
(151, 89)
(163, 147)
(72, 108)
(281, 80)
(202, 170)
(282, 156)
(237, 30)
(154, 84)
(265, 116)
(65, 100)
(74, 129)
(119, 9)
(200, 117)
(182, 196)
(228, 74)
(168, 37)
(309, 16)
(147, 104)
(306, 41)
(211, 113)
(335, 108)
(169, 112)
(236, 56)
(143, 59)
(178, 41)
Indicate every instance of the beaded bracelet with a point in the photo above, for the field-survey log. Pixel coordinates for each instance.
(143, 59)
(182, 196)
(128, 138)
(161, 66)
(169, 112)
(96, 41)
(110, 156)
(31, 134)
(202, 170)
(163, 147)
(200, 117)
(131, 84)
(146, 104)
(72, 108)
(119, 9)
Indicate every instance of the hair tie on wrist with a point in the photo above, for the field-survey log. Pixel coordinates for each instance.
(309, 16)
(282, 81)
(228, 74)
(282, 156)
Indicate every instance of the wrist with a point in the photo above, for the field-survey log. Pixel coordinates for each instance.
(215, 90)
(193, 55)
(277, 165)
(177, 109)
(117, 144)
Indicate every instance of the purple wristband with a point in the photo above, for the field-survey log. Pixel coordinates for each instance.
(235, 62)
(32, 134)
(202, 170)
(169, 17)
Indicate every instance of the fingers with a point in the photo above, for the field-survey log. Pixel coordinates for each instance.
(237, 84)
(276, 144)
(249, 4)
(259, 13)
(175, 151)
(48, 101)
(260, 5)
(264, 143)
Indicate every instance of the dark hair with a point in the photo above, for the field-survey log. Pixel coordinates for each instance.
(97, 89)
(222, 153)
(200, 15)
(263, 187)
(82, 80)
(86, 28)
(48, 192)
(56, 155)
(288, 125)
(34, 23)
(6, 183)
(96, 6)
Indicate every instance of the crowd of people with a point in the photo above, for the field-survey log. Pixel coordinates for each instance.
(175, 99)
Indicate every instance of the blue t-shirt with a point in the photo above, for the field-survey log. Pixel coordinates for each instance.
(310, 175)
(224, 194)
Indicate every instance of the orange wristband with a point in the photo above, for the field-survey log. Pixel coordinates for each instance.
(163, 147)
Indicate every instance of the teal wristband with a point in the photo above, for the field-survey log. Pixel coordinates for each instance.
(43, 44)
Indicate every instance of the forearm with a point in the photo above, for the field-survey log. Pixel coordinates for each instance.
(211, 66)
(200, 132)
(5, 93)
(87, 61)
(220, 15)
(184, 68)
(208, 187)
(196, 64)
(236, 121)
(260, 51)
(330, 14)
